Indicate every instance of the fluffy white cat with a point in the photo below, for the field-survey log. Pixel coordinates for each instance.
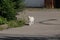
(31, 20)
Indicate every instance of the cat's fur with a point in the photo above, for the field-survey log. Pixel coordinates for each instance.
(31, 20)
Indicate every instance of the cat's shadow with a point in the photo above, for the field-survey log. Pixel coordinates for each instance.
(27, 24)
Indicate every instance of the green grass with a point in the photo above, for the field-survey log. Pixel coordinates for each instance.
(1, 28)
(16, 23)
(13, 24)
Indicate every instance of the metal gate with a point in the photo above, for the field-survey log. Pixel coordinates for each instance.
(34, 3)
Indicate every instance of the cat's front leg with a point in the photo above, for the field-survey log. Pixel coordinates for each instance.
(30, 23)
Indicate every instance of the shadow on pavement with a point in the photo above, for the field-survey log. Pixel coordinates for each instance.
(43, 22)
(57, 37)
(30, 38)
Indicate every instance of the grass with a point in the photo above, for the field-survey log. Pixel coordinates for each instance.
(1, 28)
(12, 24)
(16, 23)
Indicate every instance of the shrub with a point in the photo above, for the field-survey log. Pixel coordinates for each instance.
(19, 4)
(7, 9)
(2, 20)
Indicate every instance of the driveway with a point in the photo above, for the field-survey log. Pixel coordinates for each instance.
(47, 22)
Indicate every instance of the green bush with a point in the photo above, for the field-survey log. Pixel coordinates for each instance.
(19, 4)
(7, 9)
(2, 20)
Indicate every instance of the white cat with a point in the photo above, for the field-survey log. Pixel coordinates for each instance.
(31, 20)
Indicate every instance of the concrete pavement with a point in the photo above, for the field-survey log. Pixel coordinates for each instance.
(47, 22)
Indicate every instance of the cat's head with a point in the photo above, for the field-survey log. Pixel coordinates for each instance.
(29, 16)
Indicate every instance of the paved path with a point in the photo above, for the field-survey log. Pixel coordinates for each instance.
(47, 22)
